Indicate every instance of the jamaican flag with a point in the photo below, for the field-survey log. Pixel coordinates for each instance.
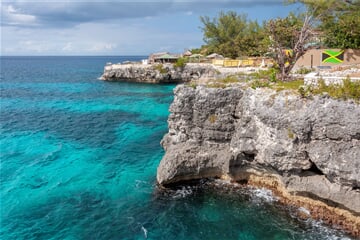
(330, 56)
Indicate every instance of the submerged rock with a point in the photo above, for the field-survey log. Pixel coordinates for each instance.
(300, 147)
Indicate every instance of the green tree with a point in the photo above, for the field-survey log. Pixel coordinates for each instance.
(233, 35)
(288, 37)
(342, 28)
(255, 41)
(338, 21)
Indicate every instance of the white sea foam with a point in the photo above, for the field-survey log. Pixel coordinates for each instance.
(329, 233)
(263, 195)
(144, 231)
(141, 184)
(182, 193)
(222, 182)
(304, 210)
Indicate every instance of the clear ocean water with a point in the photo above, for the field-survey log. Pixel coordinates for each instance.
(79, 158)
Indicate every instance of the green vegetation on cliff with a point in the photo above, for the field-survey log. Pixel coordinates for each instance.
(348, 90)
(160, 68)
(265, 79)
(181, 62)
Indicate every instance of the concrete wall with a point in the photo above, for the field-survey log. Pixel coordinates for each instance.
(350, 57)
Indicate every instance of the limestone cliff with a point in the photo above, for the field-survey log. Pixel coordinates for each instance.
(310, 146)
(159, 73)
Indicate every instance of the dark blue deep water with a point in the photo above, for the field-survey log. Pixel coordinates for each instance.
(79, 159)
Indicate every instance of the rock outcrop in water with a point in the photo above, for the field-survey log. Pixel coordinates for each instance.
(166, 73)
(303, 148)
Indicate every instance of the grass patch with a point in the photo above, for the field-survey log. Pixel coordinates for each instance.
(304, 71)
(348, 90)
(192, 84)
(212, 118)
(269, 75)
(242, 74)
(291, 135)
(216, 85)
(259, 83)
(229, 79)
(160, 68)
(292, 85)
(263, 78)
(180, 63)
(222, 83)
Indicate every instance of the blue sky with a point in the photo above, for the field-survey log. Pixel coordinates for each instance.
(94, 27)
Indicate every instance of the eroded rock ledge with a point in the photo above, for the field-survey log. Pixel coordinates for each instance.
(302, 148)
(166, 73)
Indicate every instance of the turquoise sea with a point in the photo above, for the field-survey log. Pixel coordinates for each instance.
(79, 158)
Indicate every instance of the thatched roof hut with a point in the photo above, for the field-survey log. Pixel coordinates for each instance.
(166, 58)
(188, 53)
(196, 57)
(154, 56)
(215, 56)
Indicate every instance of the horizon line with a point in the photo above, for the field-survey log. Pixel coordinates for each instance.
(74, 55)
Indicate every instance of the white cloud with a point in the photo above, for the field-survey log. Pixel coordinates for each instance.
(34, 46)
(68, 47)
(101, 47)
(107, 28)
(14, 16)
(65, 13)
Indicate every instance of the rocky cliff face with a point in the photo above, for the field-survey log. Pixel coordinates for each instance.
(310, 146)
(166, 73)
